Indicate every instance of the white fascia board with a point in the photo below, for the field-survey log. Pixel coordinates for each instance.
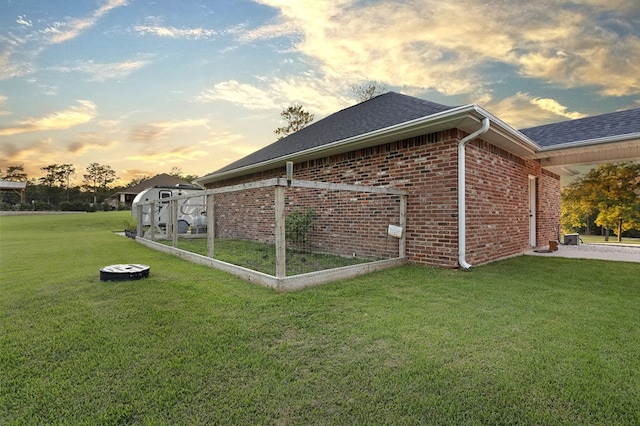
(545, 151)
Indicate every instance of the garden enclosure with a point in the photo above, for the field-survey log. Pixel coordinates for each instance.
(284, 234)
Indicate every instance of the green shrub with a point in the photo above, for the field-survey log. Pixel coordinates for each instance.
(73, 206)
(298, 225)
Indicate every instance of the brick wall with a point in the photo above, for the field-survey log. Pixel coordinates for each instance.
(426, 167)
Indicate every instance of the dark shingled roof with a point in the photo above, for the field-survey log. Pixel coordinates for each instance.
(583, 129)
(161, 179)
(378, 113)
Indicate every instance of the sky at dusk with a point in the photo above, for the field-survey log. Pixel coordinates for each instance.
(148, 85)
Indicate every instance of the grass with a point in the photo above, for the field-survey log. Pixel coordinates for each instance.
(529, 340)
(262, 257)
(612, 239)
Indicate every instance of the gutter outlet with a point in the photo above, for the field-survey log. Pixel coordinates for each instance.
(462, 206)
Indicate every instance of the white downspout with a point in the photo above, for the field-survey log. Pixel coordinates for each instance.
(462, 206)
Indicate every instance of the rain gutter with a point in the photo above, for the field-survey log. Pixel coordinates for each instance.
(462, 216)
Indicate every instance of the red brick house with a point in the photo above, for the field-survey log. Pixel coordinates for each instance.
(479, 190)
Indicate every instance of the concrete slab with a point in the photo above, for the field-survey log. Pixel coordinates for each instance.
(615, 252)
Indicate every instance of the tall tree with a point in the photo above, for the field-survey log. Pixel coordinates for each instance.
(611, 190)
(296, 117)
(66, 171)
(98, 177)
(177, 172)
(368, 90)
(52, 175)
(15, 173)
(137, 181)
(52, 178)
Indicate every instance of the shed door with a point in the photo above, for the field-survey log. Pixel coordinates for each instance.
(532, 211)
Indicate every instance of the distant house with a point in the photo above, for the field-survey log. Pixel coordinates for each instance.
(479, 190)
(124, 198)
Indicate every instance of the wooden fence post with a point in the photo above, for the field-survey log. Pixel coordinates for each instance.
(403, 225)
(281, 248)
(211, 223)
(139, 229)
(174, 222)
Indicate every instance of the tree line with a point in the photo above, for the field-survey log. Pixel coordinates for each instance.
(54, 189)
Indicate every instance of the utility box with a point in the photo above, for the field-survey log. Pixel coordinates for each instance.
(571, 239)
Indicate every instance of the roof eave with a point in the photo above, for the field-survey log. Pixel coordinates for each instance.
(545, 151)
(465, 117)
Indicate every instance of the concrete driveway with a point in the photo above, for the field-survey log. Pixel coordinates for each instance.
(617, 252)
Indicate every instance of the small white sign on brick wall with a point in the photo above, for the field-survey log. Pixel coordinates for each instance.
(395, 231)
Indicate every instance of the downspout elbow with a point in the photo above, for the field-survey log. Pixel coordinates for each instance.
(462, 218)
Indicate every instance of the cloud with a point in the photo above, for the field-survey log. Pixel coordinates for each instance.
(266, 32)
(87, 142)
(554, 107)
(20, 48)
(3, 99)
(316, 94)
(14, 61)
(163, 157)
(23, 21)
(246, 95)
(161, 130)
(173, 32)
(154, 27)
(222, 138)
(106, 71)
(31, 154)
(523, 110)
(65, 119)
(60, 32)
(444, 46)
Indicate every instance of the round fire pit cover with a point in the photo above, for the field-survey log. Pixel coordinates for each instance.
(124, 272)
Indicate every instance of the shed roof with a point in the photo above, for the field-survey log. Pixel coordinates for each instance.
(161, 179)
(12, 185)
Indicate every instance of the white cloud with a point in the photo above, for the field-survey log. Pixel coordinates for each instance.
(105, 71)
(266, 32)
(523, 110)
(554, 107)
(316, 94)
(443, 46)
(173, 32)
(14, 63)
(221, 138)
(60, 32)
(244, 94)
(163, 157)
(65, 119)
(161, 130)
(24, 22)
(153, 25)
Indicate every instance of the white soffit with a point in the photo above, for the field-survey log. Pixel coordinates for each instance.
(594, 153)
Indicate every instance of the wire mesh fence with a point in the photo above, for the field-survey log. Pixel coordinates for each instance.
(283, 228)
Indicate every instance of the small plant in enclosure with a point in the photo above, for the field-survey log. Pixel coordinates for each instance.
(298, 225)
(130, 225)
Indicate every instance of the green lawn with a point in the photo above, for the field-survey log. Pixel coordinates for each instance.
(529, 340)
(612, 239)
